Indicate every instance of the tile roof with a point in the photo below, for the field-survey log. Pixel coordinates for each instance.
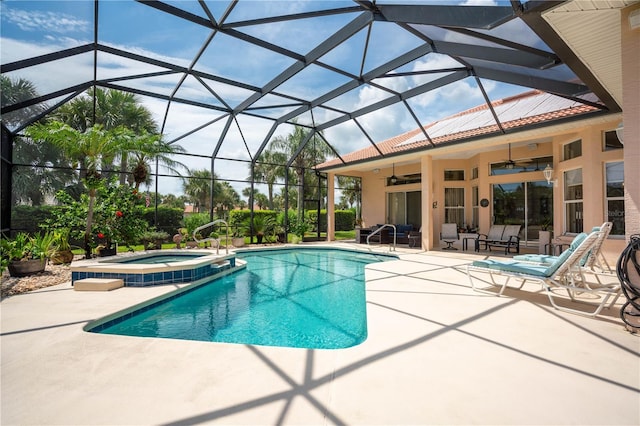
(526, 109)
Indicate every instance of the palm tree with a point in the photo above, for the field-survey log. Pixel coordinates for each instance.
(45, 171)
(269, 169)
(13, 92)
(114, 109)
(350, 188)
(313, 153)
(91, 149)
(147, 147)
(198, 188)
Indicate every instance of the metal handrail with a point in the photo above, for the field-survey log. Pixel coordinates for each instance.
(377, 231)
(226, 246)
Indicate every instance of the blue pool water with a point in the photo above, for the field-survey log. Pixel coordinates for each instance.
(304, 298)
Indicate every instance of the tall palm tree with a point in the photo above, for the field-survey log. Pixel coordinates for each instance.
(350, 188)
(113, 109)
(269, 169)
(44, 171)
(91, 149)
(198, 188)
(13, 91)
(315, 152)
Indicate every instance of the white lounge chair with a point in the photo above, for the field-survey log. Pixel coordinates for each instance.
(595, 257)
(564, 273)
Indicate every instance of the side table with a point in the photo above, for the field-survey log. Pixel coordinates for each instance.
(465, 237)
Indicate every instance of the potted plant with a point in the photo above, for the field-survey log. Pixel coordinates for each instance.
(63, 253)
(25, 254)
(237, 236)
(152, 240)
(105, 246)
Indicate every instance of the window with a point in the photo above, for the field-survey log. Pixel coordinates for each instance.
(573, 201)
(475, 204)
(572, 150)
(450, 175)
(474, 173)
(522, 165)
(614, 184)
(454, 206)
(610, 141)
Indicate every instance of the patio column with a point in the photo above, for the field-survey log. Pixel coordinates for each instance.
(426, 169)
(331, 216)
(631, 112)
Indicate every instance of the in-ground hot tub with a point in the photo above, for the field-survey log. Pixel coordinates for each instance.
(157, 268)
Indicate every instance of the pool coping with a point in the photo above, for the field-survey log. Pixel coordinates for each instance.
(144, 275)
(99, 324)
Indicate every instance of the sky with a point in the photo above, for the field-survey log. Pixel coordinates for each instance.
(30, 29)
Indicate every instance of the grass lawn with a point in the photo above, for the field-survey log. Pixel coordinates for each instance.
(340, 235)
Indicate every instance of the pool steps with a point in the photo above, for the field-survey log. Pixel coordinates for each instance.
(97, 284)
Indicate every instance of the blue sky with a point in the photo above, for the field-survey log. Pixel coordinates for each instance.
(34, 28)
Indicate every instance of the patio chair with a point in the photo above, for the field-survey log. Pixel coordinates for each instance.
(449, 234)
(510, 239)
(562, 274)
(495, 234)
(628, 271)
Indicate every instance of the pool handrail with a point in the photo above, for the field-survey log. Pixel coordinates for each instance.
(199, 228)
(377, 231)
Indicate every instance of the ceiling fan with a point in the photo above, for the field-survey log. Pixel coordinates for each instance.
(509, 164)
(393, 179)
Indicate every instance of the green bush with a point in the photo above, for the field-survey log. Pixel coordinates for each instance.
(239, 218)
(170, 219)
(28, 219)
(344, 219)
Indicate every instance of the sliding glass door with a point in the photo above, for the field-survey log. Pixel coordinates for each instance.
(529, 204)
(405, 208)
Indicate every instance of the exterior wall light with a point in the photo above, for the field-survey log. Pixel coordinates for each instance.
(548, 174)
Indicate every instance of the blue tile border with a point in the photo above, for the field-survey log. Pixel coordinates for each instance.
(160, 278)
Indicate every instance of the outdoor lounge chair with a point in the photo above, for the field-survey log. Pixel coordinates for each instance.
(593, 259)
(449, 234)
(565, 273)
(628, 271)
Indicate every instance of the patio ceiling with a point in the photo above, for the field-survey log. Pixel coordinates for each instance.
(356, 73)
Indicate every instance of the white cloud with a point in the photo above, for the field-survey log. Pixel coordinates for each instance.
(55, 22)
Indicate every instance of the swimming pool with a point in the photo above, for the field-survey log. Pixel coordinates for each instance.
(303, 297)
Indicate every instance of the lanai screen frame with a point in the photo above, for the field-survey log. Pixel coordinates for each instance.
(496, 59)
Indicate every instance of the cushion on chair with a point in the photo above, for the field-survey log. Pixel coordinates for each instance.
(513, 266)
(541, 270)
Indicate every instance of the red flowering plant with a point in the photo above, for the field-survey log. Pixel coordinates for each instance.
(118, 216)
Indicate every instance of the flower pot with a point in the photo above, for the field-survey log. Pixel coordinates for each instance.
(259, 238)
(107, 252)
(237, 242)
(62, 257)
(22, 268)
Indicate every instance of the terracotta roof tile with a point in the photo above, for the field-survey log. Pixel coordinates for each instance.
(533, 107)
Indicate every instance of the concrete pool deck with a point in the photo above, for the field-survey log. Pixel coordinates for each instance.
(436, 353)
